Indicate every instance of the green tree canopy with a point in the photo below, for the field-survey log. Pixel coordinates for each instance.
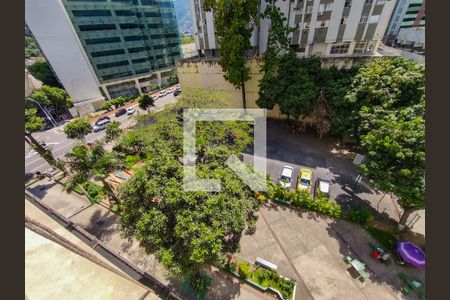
(41, 70)
(278, 42)
(33, 122)
(31, 48)
(187, 230)
(113, 131)
(78, 129)
(292, 87)
(96, 163)
(234, 23)
(382, 86)
(52, 97)
(395, 159)
(146, 102)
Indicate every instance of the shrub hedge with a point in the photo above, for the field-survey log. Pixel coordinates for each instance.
(320, 204)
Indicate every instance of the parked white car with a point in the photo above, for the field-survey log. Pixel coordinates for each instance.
(130, 110)
(286, 177)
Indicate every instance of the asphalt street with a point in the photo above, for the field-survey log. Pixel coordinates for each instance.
(60, 144)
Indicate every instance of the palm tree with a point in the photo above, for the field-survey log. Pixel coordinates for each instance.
(93, 162)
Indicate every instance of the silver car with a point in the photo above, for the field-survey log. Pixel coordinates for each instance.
(100, 125)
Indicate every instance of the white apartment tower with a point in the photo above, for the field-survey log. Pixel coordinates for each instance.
(323, 27)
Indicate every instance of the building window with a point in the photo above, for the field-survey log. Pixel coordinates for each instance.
(117, 75)
(113, 64)
(297, 48)
(121, 13)
(142, 71)
(151, 14)
(323, 23)
(374, 19)
(340, 48)
(128, 26)
(306, 25)
(309, 9)
(123, 89)
(165, 4)
(107, 53)
(153, 25)
(370, 47)
(368, 2)
(91, 13)
(102, 40)
(97, 27)
(134, 50)
(348, 3)
(380, 2)
(169, 15)
(359, 47)
(139, 60)
(363, 19)
(148, 2)
(325, 7)
(133, 38)
(344, 20)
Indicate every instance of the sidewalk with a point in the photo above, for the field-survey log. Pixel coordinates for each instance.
(103, 224)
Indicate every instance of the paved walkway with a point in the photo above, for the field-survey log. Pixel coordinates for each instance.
(103, 224)
(311, 249)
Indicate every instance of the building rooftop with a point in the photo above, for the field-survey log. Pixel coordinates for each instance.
(52, 271)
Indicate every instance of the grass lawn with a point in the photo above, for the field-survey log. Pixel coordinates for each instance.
(386, 239)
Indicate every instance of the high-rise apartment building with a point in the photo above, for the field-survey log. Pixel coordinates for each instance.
(106, 48)
(323, 27)
(407, 14)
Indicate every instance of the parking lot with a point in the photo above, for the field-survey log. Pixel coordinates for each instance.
(327, 159)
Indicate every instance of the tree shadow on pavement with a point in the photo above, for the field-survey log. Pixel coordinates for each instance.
(102, 225)
(40, 188)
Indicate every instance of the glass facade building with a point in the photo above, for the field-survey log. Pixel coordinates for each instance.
(126, 40)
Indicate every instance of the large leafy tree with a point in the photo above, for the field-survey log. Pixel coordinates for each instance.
(298, 90)
(292, 87)
(113, 131)
(278, 42)
(78, 129)
(146, 102)
(234, 22)
(34, 123)
(396, 159)
(41, 70)
(52, 97)
(188, 230)
(381, 87)
(94, 162)
(388, 98)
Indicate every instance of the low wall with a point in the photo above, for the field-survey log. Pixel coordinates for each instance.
(207, 73)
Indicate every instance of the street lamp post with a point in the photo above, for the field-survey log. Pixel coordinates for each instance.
(47, 114)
